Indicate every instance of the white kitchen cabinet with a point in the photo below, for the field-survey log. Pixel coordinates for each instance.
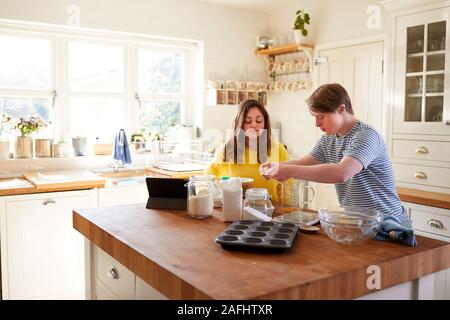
(146, 292)
(421, 64)
(112, 275)
(433, 223)
(110, 280)
(42, 255)
(420, 119)
(430, 222)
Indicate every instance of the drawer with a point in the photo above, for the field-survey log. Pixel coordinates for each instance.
(102, 293)
(118, 279)
(429, 176)
(421, 150)
(146, 292)
(430, 220)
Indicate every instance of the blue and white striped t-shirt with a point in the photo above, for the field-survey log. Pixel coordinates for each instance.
(374, 186)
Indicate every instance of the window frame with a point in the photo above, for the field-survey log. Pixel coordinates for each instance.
(35, 93)
(60, 36)
(183, 97)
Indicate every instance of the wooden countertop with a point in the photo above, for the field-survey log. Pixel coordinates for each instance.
(36, 182)
(22, 185)
(177, 255)
(433, 199)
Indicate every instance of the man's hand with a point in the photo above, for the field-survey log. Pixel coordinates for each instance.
(280, 172)
(263, 168)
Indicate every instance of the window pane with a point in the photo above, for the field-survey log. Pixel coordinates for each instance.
(95, 68)
(160, 72)
(25, 63)
(17, 108)
(96, 117)
(159, 116)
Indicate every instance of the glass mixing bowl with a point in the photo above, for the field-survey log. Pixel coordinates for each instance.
(350, 225)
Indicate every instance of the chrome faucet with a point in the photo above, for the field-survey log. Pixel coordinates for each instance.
(116, 165)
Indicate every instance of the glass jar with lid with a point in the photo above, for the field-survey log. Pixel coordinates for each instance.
(258, 199)
(200, 196)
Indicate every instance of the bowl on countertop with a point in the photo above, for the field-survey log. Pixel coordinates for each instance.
(350, 225)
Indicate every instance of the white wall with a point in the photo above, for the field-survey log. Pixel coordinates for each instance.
(346, 19)
(331, 21)
(228, 34)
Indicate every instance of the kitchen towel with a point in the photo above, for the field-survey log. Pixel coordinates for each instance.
(395, 229)
(121, 149)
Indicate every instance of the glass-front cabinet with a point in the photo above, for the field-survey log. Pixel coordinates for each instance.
(421, 102)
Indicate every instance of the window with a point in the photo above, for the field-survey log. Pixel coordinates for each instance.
(25, 79)
(96, 68)
(96, 89)
(25, 63)
(161, 84)
(94, 83)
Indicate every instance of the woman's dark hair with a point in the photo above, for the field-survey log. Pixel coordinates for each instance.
(328, 97)
(232, 147)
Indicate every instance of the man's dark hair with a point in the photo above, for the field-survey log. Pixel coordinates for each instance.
(328, 97)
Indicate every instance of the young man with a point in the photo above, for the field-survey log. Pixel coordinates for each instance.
(351, 154)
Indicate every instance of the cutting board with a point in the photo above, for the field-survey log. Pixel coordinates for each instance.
(64, 179)
(10, 186)
(174, 174)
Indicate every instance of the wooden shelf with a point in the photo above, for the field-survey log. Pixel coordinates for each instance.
(284, 49)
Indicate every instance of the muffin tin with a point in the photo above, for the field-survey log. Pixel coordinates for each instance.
(258, 235)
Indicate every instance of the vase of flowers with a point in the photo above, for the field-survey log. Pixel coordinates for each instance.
(24, 143)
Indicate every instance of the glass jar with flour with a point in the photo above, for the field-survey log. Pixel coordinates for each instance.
(258, 199)
(200, 196)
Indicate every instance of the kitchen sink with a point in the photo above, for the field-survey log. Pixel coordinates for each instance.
(123, 174)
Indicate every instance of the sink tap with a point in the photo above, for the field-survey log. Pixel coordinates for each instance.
(116, 165)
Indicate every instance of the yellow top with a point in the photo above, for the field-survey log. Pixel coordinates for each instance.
(250, 168)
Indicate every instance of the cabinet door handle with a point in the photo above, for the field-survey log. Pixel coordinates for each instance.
(435, 223)
(420, 175)
(422, 150)
(48, 201)
(113, 273)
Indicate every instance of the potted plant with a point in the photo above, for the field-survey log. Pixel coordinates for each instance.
(155, 138)
(58, 149)
(79, 143)
(301, 19)
(24, 143)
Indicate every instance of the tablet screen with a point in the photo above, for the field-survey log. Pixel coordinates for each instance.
(166, 188)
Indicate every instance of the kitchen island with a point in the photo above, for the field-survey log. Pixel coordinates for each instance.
(177, 257)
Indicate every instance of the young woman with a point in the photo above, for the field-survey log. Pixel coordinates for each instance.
(351, 154)
(251, 145)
